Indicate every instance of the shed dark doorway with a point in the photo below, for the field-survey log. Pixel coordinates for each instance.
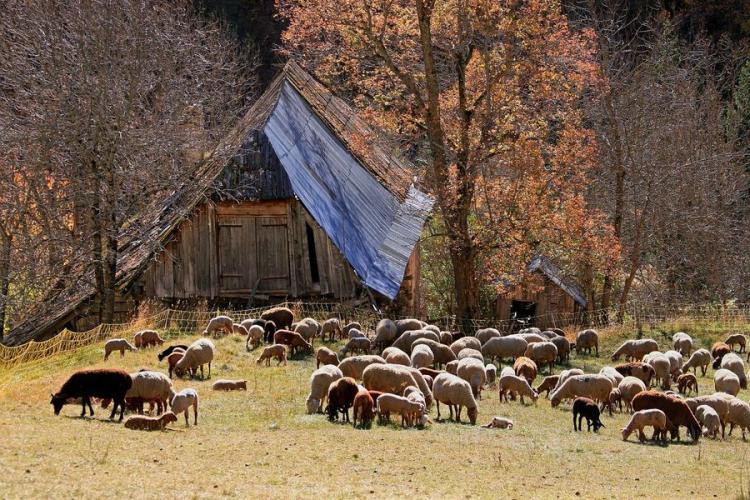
(522, 310)
(312, 254)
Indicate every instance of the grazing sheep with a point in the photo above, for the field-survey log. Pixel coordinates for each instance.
(219, 324)
(421, 356)
(548, 384)
(710, 420)
(363, 408)
(428, 379)
(254, 337)
(508, 370)
(352, 325)
(355, 366)
(736, 339)
(141, 423)
(356, 345)
(441, 353)
(628, 388)
(612, 374)
(121, 345)
(596, 387)
(549, 334)
(542, 353)
(239, 329)
(635, 350)
(175, 356)
(738, 414)
(407, 339)
(341, 394)
(472, 371)
(150, 386)
(182, 401)
(393, 403)
(470, 353)
(405, 325)
(446, 338)
(454, 391)
(647, 418)
(396, 356)
(200, 352)
(499, 423)
(718, 351)
(675, 363)
(486, 334)
(388, 378)
(451, 367)
(354, 333)
(491, 373)
(269, 328)
(676, 410)
(169, 350)
(530, 338)
(293, 340)
(682, 343)
(498, 349)
(230, 385)
(320, 380)
(146, 338)
(587, 340)
(277, 351)
(434, 329)
(105, 383)
(586, 408)
(719, 401)
(563, 348)
(526, 368)
(637, 369)
(700, 358)
(726, 381)
(308, 330)
(332, 326)
(735, 364)
(661, 365)
(324, 355)
(464, 343)
(615, 400)
(282, 317)
(513, 385)
(687, 382)
(566, 374)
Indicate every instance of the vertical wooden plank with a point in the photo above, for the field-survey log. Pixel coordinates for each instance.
(212, 242)
(294, 244)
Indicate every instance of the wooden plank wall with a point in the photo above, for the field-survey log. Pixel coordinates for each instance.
(554, 307)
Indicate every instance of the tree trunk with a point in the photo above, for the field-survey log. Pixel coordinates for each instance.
(97, 232)
(463, 258)
(6, 242)
(109, 247)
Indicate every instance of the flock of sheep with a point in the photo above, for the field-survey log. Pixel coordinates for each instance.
(405, 366)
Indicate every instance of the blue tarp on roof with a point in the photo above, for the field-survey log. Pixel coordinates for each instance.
(369, 225)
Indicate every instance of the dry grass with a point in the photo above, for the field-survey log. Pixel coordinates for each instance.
(260, 443)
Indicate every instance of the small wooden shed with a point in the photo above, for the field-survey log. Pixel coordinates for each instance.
(548, 299)
(302, 200)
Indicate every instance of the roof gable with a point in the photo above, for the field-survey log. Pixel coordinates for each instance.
(553, 273)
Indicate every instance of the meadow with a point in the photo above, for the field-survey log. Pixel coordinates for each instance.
(261, 442)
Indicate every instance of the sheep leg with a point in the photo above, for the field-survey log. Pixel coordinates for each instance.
(187, 422)
(83, 403)
(437, 403)
(575, 426)
(195, 413)
(122, 353)
(450, 409)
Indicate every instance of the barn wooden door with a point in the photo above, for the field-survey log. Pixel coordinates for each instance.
(273, 254)
(236, 252)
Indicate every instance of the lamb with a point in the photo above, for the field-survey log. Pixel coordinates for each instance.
(491, 372)
(676, 410)
(647, 418)
(710, 420)
(637, 369)
(254, 337)
(394, 379)
(150, 386)
(595, 387)
(675, 363)
(635, 349)
(239, 329)
(320, 380)
(514, 385)
(682, 343)
(357, 345)
(454, 391)
(293, 340)
(141, 423)
(526, 368)
(219, 324)
(687, 382)
(700, 358)
(499, 423)
(735, 364)
(175, 356)
(470, 353)
(341, 394)
(586, 408)
(325, 356)
(498, 349)
(308, 329)
(352, 325)
(121, 345)
(563, 348)
(332, 326)
(614, 400)
(473, 372)
(146, 338)
(230, 385)
(269, 327)
(406, 339)
(392, 403)
(282, 317)
(277, 351)
(441, 353)
(587, 340)
(736, 339)
(612, 374)
(106, 383)
(354, 333)
(396, 356)
(719, 401)
(486, 334)
(414, 395)
(542, 353)
(169, 350)
(726, 381)
(661, 365)
(182, 401)
(628, 388)
(354, 366)
(421, 356)
(718, 350)
(363, 408)
(548, 384)
(466, 342)
(385, 333)
(199, 353)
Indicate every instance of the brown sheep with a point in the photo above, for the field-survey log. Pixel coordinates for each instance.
(141, 423)
(277, 351)
(526, 368)
(718, 350)
(548, 384)
(587, 340)
(687, 382)
(637, 369)
(363, 408)
(738, 339)
(293, 340)
(341, 394)
(676, 410)
(173, 358)
(324, 355)
(146, 338)
(282, 317)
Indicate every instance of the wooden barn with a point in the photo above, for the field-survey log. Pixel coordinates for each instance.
(548, 299)
(301, 200)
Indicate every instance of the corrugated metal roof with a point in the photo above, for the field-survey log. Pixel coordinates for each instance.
(551, 271)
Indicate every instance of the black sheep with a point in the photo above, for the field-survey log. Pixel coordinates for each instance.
(166, 352)
(585, 407)
(104, 383)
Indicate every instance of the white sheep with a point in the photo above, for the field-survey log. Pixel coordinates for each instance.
(501, 348)
(354, 366)
(219, 324)
(587, 340)
(415, 395)
(733, 362)
(357, 344)
(635, 349)
(396, 356)
(464, 343)
(385, 333)
(354, 333)
(472, 370)
(150, 386)
(320, 380)
(394, 379)
(254, 337)
(454, 391)
(470, 353)
(531, 338)
(542, 353)
(508, 370)
(726, 381)
(566, 374)
(629, 387)
(393, 403)
(308, 329)
(500, 423)
(405, 325)
(199, 353)
(675, 363)
(719, 401)
(421, 356)
(486, 334)
(406, 339)
(595, 387)
(515, 385)
(182, 401)
(612, 374)
(646, 418)
(121, 345)
(662, 366)
(441, 353)
(331, 326)
(709, 418)
(700, 358)
(491, 373)
(682, 342)
(738, 414)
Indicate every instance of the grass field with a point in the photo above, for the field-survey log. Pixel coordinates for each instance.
(261, 443)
